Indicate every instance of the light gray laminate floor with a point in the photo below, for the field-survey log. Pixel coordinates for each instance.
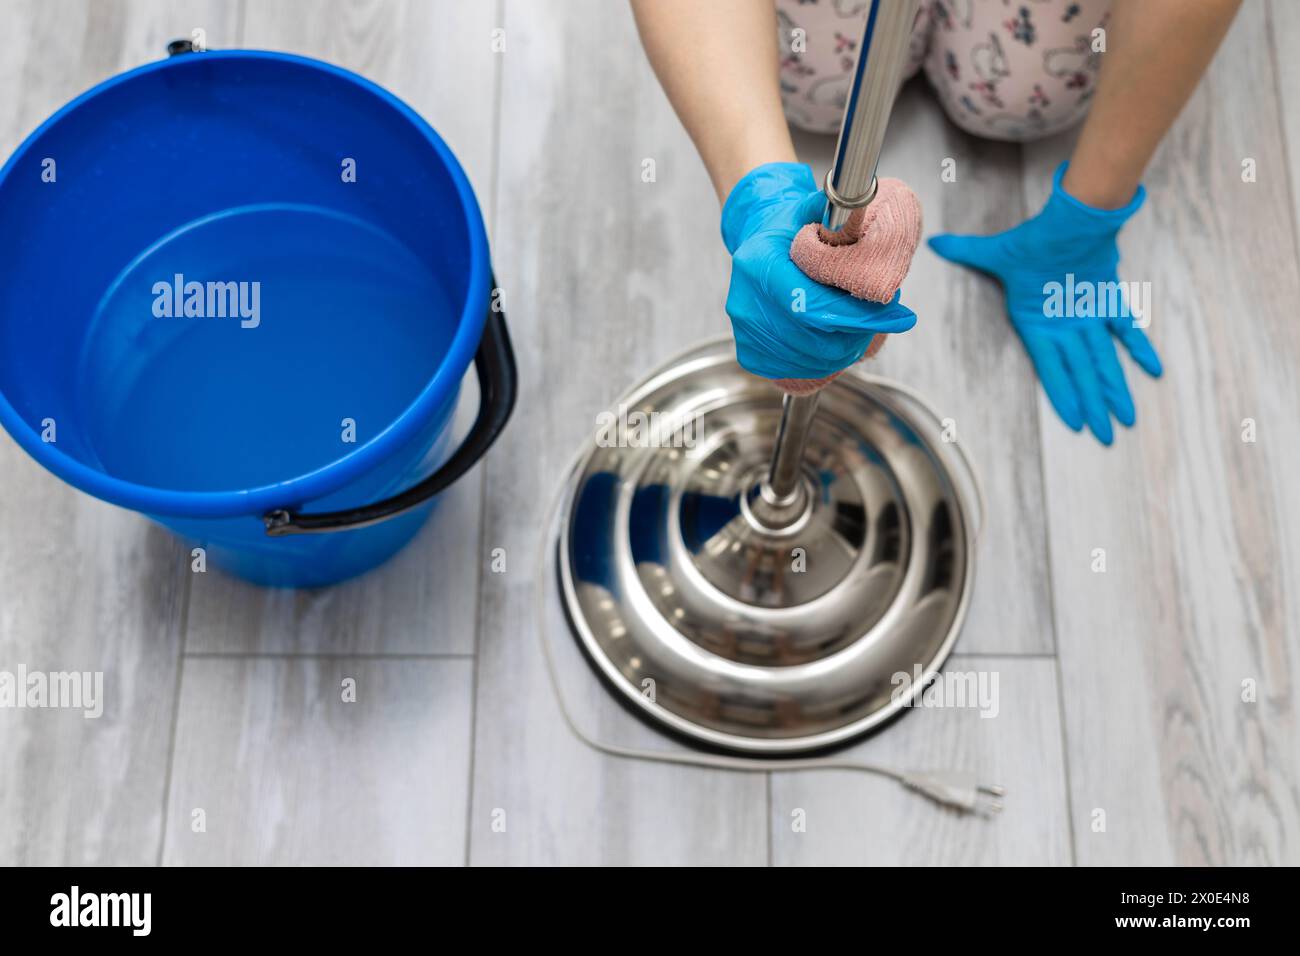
(1121, 693)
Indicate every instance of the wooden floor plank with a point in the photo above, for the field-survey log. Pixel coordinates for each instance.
(274, 767)
(88, 588)
(1001, 722)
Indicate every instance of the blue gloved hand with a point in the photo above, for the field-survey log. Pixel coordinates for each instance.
(1058, 271)
(773, 337)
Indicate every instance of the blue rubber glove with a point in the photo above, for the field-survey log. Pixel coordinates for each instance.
(773, 339)
(1071, 344)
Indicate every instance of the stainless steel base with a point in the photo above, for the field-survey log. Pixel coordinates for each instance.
(715, 624)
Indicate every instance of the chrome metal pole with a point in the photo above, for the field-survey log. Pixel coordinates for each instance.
(850, 184)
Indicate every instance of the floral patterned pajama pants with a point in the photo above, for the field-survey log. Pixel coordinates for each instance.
(1003, 69)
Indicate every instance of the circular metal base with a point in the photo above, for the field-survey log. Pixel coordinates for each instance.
(746, 631)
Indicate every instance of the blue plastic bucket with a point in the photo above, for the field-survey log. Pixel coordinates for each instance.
(242, 290)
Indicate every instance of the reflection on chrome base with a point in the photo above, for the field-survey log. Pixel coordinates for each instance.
(768, 636)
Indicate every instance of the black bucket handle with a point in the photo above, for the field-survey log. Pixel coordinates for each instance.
(498, 380)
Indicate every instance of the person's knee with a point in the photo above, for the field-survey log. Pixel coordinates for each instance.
(1039, 116)
(988, 99)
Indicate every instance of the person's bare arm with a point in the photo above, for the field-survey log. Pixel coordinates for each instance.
(1156, 53)
(717, 61)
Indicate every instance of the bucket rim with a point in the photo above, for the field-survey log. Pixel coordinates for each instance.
(309, 486)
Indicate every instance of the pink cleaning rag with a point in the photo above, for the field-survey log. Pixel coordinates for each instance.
(883, 237)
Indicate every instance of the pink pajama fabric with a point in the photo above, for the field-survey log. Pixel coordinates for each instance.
(1003, 69)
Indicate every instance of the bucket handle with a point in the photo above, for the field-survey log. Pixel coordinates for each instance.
(498, 381)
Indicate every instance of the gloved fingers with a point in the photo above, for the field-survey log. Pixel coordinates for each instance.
(831, 348)
(809, 303)
(812, 207)
(1105, 361)
(757, 358)
(1078, 362)
(761, 358)
(1057, 383)
(759, 361)
(974, 252)
(775, 347)
(1138, 345)
(788, 363)
(827, 352)
(777, 344)
(857, 316)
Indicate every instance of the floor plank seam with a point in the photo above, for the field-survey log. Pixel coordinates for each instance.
(177, 688)
(1063, 730)
(498, 76)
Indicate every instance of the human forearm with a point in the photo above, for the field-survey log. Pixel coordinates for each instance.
(717, 61)
(1157, 51)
